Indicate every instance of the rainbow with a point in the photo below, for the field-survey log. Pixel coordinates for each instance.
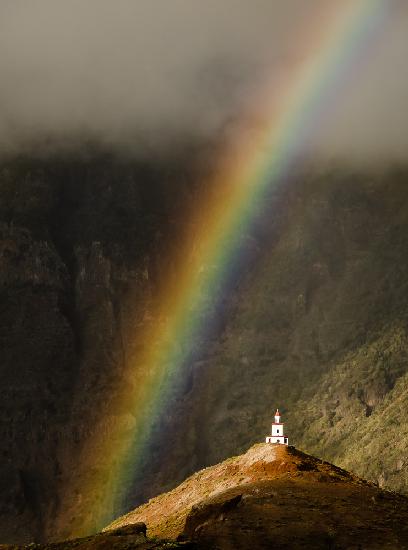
(248, 168)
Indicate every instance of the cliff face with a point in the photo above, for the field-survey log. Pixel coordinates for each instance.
(315, 323)
(76, 237)
(37, 358)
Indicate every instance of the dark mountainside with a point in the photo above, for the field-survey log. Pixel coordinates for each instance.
(272, 496)
(315, 322)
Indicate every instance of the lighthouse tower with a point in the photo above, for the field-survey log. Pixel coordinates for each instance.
(277, 431)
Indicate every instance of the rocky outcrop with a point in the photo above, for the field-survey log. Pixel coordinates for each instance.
(275, 496)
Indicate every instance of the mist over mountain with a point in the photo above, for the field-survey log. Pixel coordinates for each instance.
(135, 76)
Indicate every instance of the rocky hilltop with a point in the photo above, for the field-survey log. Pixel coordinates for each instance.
(270, 497)
(315, 321)
(276, 497)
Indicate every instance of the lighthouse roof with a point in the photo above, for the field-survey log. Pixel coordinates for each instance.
(277, 412)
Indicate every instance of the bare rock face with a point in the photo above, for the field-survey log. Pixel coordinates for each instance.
(69, 254)
(37, 359)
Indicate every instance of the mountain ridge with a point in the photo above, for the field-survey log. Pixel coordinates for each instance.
(261, 462)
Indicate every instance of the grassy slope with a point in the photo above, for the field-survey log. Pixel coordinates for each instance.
(356, 419)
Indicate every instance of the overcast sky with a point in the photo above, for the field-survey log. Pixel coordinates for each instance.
(128, 71)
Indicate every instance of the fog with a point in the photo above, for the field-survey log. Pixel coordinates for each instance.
(131, 74)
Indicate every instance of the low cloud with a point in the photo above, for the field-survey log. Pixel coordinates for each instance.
(134, 73)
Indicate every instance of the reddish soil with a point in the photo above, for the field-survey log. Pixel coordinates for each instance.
(277, 497)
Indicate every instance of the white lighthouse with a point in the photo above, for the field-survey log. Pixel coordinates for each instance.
(277, 431)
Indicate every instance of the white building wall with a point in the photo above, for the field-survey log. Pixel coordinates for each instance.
(271, 439)
(280, 440)
(277, 430)
(277, 435)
